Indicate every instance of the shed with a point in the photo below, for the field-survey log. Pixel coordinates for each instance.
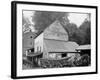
(84, 49)
(28, 41)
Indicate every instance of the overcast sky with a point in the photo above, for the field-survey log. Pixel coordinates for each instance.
(28, 14)
(76, 18)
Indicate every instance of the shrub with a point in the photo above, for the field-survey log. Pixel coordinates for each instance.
(47, 63)
(83, 61)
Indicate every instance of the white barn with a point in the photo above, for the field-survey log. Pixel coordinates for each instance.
(54, 42)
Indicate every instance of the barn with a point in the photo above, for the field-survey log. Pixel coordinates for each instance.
(54, 42)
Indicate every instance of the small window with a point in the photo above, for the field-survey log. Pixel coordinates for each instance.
(32, 50)
(37, 49)
(31, 36)
(29, 50)
(64, 55)
(52, 55)
(40, 48)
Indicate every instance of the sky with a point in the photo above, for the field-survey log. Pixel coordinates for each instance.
(76, 18)
(28, 15)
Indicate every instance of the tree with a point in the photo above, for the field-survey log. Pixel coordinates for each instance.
(43, 19)
(81, 35)
(25, 24)
(86, 30)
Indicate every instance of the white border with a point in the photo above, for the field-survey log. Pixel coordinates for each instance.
(35, 72)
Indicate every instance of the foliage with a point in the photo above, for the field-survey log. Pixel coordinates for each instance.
(66, 62)
(43, 19)
(83, 61)
(50, 63)
(81, 35)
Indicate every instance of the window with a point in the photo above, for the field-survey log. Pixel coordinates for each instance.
(64, 55)
(52, 55)
(40, 48)
(32, 50)
(29, 50)
(31, 37)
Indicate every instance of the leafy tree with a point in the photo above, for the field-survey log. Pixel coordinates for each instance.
(81, 35)
(43, 19)
(86, 30)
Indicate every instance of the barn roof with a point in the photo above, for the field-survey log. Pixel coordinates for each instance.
(28, 34)
(34, 54)
(84, 47)
(60, 46)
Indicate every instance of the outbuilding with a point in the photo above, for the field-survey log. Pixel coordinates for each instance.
(84, 49)
(54, 42)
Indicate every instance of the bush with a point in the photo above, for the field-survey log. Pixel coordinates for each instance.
(76, 60)
(47, 63)
(83, 61)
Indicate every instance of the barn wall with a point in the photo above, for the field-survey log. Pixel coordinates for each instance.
(45, 51)
(39, 43)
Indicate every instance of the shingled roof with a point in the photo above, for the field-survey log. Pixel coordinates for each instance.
(60, 46)
(84, 47)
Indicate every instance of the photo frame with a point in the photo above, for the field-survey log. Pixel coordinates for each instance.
(50, 39)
